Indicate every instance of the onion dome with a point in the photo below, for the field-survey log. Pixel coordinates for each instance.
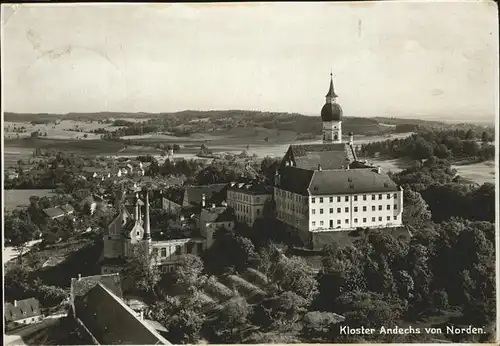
(331, 112)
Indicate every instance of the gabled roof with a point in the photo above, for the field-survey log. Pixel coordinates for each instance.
(295, 179)
(112, 322)
(22, 309)
(80, 287)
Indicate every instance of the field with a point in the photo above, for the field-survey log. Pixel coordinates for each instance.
(21, 198)
(481, 172)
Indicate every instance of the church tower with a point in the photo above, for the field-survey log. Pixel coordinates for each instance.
(331, 116)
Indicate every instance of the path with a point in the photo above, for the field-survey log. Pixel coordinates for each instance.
(10, 253)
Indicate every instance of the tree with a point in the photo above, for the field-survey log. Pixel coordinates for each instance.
(188, 272)
(296, 275)
(415, 211)
(141, 267)
(233, 315)
(20, 232)
(440, 300)
(319, 326)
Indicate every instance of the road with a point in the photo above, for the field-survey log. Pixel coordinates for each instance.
(9, 252)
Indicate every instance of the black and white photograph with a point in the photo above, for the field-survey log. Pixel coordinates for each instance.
(250, 173)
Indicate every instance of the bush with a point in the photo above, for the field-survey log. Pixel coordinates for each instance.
(257, 277)
(245, 286)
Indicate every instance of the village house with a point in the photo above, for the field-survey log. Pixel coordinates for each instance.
(58, 212)
(24, 311)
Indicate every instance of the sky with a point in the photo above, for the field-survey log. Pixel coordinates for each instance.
(401, 59)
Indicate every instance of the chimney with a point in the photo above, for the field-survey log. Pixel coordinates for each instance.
(142, 315)
(15, 303)
(203, 200)
(213, 205)
(79, 276)
(351, 138)
(319, 167)
(147, 227)
(379, 170)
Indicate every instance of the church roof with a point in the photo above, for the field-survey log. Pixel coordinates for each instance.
(331, 112)
(328, 156)
(80, 287)
(331, 91)
(111, 321)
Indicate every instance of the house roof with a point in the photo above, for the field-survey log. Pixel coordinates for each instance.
(295, 180)
(250, 187)
(328, 156)
(92, 169)
(54, 212)
(25, 308)
(211, 192)
(331, 182)
(111, 321)
(350, 181)
(67, 208)
(217, 214)
(79, 287)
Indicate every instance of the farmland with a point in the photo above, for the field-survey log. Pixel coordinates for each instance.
(481, 172)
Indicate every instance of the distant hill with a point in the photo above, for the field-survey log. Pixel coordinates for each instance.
(190, 121)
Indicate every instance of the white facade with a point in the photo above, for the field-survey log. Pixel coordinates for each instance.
(248, 206)
(348, 212)
(339, 212)
(167, 254)
(332, 131)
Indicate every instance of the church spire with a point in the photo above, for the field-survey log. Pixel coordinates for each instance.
(331, 92)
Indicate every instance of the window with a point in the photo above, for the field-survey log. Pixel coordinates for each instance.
(364, 208)
(314, 211)
(395, 217)
(338, 199)
(314, 223)
(163, 252)
(178, 250)
(373, 219)
(355, 198)
(321, 200)
(321, 223)
(200, 247)
(395, 207)
(338, 210)
(346, 220)
(258, 211)
(321, 211)
(388, 218)
(373, 208)
(347, 198)
(355, 209)
(338, 222)
(380, 218)
(364, 197)
(331, 223)
(373, 197)
(364, 219)
(355, 220)
(380, 196)
(331, 199)
(379, 207)
(155, 251)
(388, 196)
(189, 247)
(331, 210)
(388, 207)
(346, 209)
(395, 195)
(313, 200)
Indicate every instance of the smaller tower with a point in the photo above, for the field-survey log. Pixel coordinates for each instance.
(147, 226)
(331, 116)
